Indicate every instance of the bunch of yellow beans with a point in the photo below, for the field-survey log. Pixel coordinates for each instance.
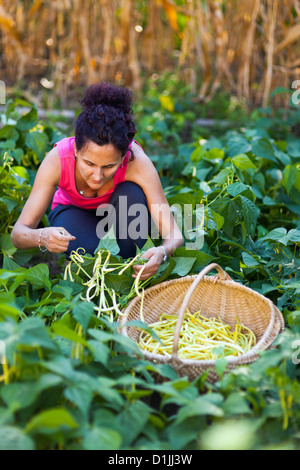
(200, 338)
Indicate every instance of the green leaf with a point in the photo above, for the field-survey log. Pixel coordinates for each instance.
(201, 173)
(109, 243)
(135, 418)
(149, 244)
(6, 275)
(28, 121)
(12, 438)
(289, 176)
(62, 366)
(183, 198)
(81, 393)
(7, 144)
(221, 177)
(294, 235)
(18, 396)
(60, 329)
(51, 421)
(9, 264)
(102, 438)
(21, 172)
(38, 142)
(214, 154)
(266, 360)
(202, 257)
(82, 312)
(250, 213)
(249, 260)
(230, 212)
(197, 154)
(9, 132)
(264, 149)
(105, 390)
(207, 405)
(17, 154)
(269, 201)
(187, 431)
(230, 435)
(213, 221)
(6, 244)
(9, 203)
(220, 366)
(236, 188)
(282, 157)
(183, 265)
(238, 145)
(33, 333)
(277, 235)
(100, 351)
(242, 162)
(120, 284)
(8, 307)
(144, 327)
(236, 404)
(38, 276)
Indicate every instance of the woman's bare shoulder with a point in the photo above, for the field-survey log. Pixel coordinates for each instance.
(142, 171)
(140, 162)
(52, 156)
(50, 166)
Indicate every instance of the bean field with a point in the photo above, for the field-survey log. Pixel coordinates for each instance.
(68, 379)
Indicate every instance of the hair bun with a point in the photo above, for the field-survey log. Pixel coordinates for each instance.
(108, 95)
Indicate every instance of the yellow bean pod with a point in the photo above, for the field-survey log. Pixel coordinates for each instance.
(200, 338)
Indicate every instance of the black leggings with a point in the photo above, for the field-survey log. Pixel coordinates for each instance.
(128, 213)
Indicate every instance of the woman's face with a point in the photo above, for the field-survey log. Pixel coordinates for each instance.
(98, 164)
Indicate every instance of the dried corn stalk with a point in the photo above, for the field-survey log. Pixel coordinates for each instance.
(248, 47)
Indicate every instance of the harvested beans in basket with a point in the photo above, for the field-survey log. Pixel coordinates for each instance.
(200, 337)
(217, 297)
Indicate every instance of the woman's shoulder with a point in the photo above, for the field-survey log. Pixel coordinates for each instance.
(136, 148)
(51, 166)
(65, 147)
(139, 157)
(141, 166)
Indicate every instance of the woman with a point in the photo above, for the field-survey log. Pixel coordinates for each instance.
(102, 176)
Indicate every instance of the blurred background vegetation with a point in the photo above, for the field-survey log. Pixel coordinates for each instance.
(213, 83)
(237, 51)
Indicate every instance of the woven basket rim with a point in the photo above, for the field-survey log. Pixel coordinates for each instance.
(276, 323)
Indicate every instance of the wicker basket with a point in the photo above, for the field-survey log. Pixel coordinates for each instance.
(215, 296)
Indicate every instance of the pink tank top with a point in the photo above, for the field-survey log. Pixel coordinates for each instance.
(67, 193)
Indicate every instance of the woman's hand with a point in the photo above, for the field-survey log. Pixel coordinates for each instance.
(155, 256)
(55, 239)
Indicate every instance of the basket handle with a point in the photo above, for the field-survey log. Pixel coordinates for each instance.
(222, 275)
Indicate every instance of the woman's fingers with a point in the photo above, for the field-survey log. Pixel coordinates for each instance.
(56, 239)
(148, 272)
(155, 256)
(62, 234)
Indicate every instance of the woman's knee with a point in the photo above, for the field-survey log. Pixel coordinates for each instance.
(132, 191)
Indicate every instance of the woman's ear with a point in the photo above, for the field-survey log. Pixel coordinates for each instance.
(75, 152)
(131, 155)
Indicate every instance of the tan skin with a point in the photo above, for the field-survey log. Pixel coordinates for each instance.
(94, 172)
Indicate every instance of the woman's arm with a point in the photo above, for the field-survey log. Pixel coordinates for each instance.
(142, 172)
(25, 234)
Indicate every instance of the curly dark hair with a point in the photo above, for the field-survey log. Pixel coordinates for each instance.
(106, 117)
